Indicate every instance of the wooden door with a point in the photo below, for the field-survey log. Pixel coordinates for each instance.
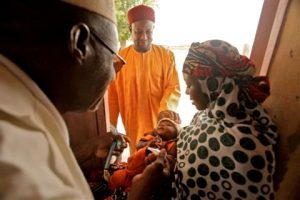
(83, 128)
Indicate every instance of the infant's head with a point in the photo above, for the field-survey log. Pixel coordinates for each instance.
(167, 129)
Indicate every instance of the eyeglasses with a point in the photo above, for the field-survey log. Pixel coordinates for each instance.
(119, 58)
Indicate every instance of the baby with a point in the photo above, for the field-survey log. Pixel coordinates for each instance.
(163, 136)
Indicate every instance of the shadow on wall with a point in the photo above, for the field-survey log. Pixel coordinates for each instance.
(287, 165)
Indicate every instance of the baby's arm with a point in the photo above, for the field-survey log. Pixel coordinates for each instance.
(146, 140)
(142, 143)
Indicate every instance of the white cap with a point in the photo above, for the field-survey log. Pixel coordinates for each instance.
(177, 126)
(105, 8)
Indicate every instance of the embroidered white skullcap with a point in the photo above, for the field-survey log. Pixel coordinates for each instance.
(106, 8)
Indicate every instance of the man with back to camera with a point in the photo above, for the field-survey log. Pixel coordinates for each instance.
(51, 63)
(148, 83)
(55, 57)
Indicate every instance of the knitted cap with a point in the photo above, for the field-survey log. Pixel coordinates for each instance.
(140, 12)
(176, 125)
(105, 8)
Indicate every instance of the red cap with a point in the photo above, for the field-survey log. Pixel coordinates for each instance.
(140, 12)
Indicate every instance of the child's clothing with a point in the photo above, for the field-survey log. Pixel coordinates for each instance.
(136, 162)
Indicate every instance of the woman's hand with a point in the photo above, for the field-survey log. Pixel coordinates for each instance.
(143, 185)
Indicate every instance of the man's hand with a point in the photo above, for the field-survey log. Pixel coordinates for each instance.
(143, 185)
(122, 140)
(169, 114)
(104, 142)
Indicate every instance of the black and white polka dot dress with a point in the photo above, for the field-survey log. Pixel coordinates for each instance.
(227, 150)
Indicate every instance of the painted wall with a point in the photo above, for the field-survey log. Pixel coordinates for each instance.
(263, 31)
(284, 103)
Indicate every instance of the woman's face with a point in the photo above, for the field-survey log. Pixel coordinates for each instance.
(193, 89)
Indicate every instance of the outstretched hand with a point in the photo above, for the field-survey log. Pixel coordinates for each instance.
(122, 140)
(104, 142)
(143, 185)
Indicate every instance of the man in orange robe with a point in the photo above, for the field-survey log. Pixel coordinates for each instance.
(148, 83)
